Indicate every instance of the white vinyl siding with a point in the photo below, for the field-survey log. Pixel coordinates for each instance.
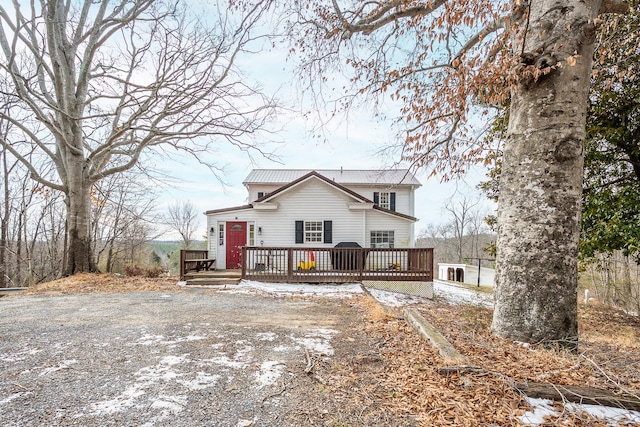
(404, 195)
(312, 201)
(402, 229)
(256, 190)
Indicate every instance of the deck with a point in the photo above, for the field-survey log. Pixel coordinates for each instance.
(318, 265)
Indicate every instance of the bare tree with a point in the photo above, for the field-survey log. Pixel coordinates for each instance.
(461, 214)
(121, 203)
(99, 83)
(182, 217)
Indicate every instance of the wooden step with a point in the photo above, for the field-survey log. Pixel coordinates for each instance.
(209, 281)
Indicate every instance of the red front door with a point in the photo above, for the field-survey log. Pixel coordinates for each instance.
(236, 239)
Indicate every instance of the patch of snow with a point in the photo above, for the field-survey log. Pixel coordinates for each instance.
(612, 416)
(395, 299)
(266, 336)
(146, 377)
(240, 360)
(63, 365)
(289, 289)
(123, 401)
(202, 381)
(172, 404)
(10, 398)
(454, 294)
(167, 405)
(270, 371)
(172, 360)
(159, 339)
(229, 363)
(318, 340)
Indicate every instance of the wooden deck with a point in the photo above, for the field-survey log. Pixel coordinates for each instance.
(336, 265)
(314, 265)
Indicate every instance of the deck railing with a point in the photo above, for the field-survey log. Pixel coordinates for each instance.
(336, 265)
(194, 260)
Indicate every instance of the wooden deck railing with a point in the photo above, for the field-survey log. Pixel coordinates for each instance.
(336, 265)
(194, 260)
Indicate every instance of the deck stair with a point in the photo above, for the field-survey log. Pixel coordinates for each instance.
(213, 277)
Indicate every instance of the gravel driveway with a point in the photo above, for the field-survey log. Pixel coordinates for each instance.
(184, 358)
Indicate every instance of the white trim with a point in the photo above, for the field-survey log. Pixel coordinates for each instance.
(265, 206)
(360, 206)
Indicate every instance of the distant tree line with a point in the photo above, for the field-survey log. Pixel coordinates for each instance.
(33, 228)
(463, 236)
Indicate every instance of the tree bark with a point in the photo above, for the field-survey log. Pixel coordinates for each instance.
(4, 221)
(578, 394)
(541, 181)
(78, 201)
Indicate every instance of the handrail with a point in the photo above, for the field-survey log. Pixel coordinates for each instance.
(339, 265)
(187, 255)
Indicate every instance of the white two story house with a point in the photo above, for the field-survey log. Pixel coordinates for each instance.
(316, 208)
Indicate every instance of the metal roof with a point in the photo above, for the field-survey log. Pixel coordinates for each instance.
(388, 177)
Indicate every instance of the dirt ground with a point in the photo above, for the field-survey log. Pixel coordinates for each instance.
(98, 350)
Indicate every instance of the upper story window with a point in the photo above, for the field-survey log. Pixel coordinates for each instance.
(385, 199)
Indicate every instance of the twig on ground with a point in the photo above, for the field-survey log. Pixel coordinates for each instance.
(310, 362)
(279, 393)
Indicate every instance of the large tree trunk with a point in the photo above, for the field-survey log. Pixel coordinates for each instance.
(78, 201)
(541, 181)
(4, 221)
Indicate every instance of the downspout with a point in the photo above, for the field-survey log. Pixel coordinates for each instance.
(364, 228)
(412, 204)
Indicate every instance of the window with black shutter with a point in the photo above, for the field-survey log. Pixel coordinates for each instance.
(299, 231)
(314, 231)
(385, 199)
(328, 231)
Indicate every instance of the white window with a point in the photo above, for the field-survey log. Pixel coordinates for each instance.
(221, 234)
(313, 231)
(382, 239)
(385, 200)
(252, 235)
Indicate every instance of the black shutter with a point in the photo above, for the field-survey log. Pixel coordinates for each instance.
(392, 201)
(299, 231)
(328, 232)
(376, 198)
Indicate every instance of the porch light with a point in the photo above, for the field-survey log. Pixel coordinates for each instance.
(212, 230)
(259, 231)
